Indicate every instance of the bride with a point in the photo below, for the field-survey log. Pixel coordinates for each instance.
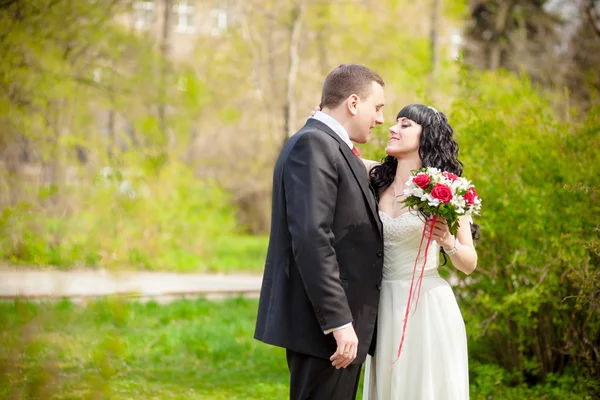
(433, 363)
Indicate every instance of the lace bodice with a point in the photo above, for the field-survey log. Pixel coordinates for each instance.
(401, 238)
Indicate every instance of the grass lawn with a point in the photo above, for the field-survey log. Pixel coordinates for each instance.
(243, 253)
(189, 349)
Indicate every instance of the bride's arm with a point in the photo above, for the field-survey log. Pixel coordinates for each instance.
(465, 257)
(369, 164)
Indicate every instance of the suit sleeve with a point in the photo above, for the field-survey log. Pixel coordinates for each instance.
(311, 185)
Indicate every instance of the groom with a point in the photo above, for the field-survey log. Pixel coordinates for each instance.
(320, 289)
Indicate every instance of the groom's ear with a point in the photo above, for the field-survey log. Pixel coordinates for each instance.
(352, 103)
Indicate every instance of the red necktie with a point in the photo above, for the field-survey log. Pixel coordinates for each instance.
(356, 153)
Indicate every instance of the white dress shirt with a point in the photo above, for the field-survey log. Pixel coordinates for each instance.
(336, 126)
(341, 132)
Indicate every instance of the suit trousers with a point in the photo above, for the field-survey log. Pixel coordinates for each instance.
(313, 378)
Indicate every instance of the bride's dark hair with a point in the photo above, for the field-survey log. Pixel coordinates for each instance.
(437, 149)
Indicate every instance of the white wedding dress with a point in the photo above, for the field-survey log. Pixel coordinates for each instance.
(433, 364)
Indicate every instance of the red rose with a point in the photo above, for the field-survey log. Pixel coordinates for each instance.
(450, 176)
(470, 196)
(442, 192)
(422, 181)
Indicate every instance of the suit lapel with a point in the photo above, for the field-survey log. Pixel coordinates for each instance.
(360, 173)
(358, 170)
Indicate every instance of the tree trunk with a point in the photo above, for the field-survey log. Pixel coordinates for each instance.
(12, 164)
(496, 45)
(435, 35)
(434, 45)
(55, 165)
(321, 40)
(294, 61)
(164, 71)
(592, 7)
(273, 85)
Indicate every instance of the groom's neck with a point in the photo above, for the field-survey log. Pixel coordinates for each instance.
(342, 116)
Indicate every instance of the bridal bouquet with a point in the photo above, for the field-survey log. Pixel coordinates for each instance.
(436, 193)
(439, 193)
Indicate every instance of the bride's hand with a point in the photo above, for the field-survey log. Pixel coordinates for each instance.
(440, 233)
(314, 110)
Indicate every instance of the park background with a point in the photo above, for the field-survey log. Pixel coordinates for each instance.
(141, 135)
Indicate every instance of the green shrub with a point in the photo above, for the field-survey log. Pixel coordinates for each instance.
(125, 219)
(532, 306)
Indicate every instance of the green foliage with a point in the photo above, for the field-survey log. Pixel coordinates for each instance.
(104, 124)
(491, 381)
(190, 349)
(457, 9)
(532, 305)
(113, 349)
(130, 219)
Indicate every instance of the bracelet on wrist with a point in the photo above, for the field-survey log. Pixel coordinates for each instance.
(453, 250)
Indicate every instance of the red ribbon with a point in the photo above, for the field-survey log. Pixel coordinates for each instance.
(419, 281)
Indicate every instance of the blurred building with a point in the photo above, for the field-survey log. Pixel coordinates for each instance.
(175, 27)
(178, 24)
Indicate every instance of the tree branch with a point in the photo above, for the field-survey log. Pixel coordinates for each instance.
(500, 25)
(592, 11)
(294, 60)
(7, 3)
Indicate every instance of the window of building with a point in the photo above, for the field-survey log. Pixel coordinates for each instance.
(219, 21)
(184, 17)
(143, 14)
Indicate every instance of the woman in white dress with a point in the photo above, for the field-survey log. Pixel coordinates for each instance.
(433, 363)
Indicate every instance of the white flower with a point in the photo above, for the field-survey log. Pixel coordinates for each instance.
(461, 184)
(458, 201)
(416, 191)
(476, 208)
(436, 175)
(432, 201)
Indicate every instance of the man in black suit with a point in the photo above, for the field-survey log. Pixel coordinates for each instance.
(322, 278)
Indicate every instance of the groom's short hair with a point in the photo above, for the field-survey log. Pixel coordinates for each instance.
(345, 80)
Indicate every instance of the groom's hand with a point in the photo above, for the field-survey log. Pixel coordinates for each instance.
(347, 346)
(314, 111)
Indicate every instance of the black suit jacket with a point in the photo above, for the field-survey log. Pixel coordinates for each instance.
(325, 257)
